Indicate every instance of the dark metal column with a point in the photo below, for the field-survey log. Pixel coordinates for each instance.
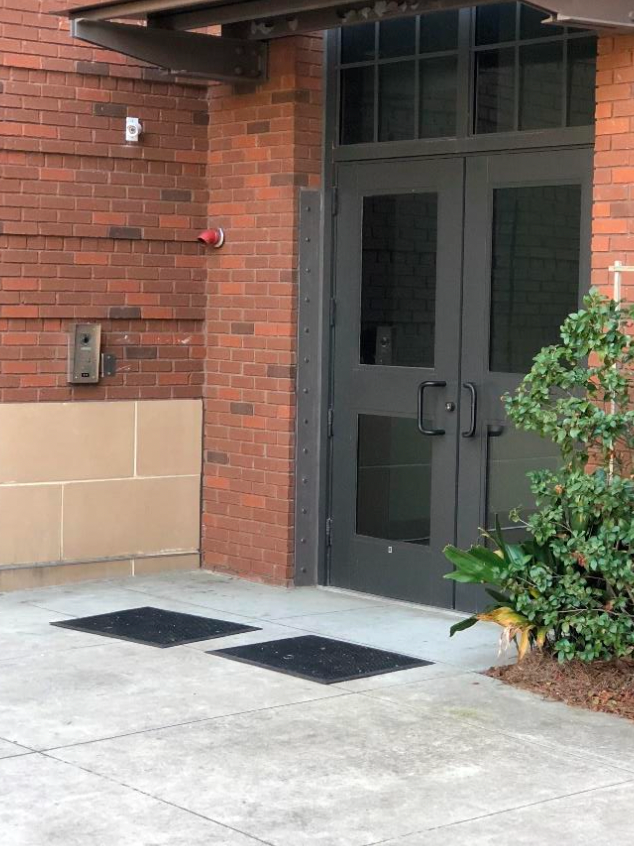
(309, 528)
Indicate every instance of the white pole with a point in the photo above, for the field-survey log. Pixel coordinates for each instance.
(617, 270)
(616, 294)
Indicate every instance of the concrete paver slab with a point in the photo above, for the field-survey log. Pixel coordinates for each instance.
(594, 818)
(11, 750)
(341, 772)
(49, 803)
(261, 601)
(147, 746)
(510, 711)
(25, 632)
(118, 688)
(420, 632)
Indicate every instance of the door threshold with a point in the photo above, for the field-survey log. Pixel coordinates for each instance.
(386, 600)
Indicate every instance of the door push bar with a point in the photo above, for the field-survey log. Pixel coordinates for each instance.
(421, 408)
(473, 414)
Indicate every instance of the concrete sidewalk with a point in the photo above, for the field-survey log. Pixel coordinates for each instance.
(108, 743)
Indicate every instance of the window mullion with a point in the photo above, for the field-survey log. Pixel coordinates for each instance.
(465, 75)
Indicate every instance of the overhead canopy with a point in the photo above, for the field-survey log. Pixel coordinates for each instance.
(238, 54)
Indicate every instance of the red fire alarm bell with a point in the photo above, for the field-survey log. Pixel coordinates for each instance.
(212, 237)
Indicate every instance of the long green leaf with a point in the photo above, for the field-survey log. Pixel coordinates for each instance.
(463, 578)
(487, 555)
(469, 564)
(462, 625)
(517, 554)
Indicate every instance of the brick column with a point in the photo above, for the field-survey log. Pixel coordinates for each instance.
(613, 213)
(266, 144)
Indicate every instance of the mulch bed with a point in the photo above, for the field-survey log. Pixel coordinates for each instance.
(601, 686)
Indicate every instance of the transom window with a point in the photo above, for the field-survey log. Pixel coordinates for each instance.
(451, 74)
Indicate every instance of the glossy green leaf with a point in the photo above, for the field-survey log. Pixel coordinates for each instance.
(462, 625)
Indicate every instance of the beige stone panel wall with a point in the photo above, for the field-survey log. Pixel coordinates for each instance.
(51, 442)
(169, 438)
(30, 523)
(25, 578)
(107, 519)
(80, 482)
(165, 564)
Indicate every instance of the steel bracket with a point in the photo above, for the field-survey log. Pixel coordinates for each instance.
(214, 57)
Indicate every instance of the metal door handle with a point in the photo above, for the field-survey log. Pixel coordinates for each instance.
(421, 407)
(473, 414)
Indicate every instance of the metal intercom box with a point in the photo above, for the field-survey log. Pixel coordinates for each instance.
(84, 354)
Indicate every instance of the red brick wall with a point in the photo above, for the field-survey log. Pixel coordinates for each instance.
(613, 219)
(91, 228)
(265, 144)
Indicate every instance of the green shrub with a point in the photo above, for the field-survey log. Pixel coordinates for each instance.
(570, 586)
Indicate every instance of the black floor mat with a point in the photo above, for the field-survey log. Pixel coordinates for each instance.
(320, 659)
(155, 626)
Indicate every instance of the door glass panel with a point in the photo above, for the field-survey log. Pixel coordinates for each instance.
(393, 479)
(396, 97)
(511, 455)
(438, 93)
(398, 280)
(534, 271)
(357, 105)
(541, 85)
(495, 91)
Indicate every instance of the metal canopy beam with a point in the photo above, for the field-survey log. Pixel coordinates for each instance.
(236, 56)
(253, 19)
(330, 17)
(247, 12)
(190, 14)
(606, 14)
(208, 56)
(132, 9)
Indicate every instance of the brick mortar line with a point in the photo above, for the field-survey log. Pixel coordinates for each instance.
(143, 238)
(50, 146)
(13, 146)
(134, 73)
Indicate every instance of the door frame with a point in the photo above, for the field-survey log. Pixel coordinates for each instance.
(315, 360)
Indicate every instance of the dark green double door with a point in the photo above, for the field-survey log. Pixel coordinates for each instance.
(449, 276)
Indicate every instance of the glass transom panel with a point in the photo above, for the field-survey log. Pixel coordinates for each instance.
(402, 79)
